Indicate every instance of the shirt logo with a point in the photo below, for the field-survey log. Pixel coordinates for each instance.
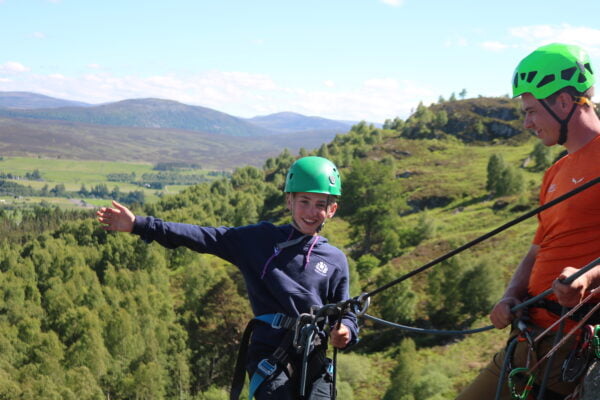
(552, 188)
(321, 268)
(576, 181)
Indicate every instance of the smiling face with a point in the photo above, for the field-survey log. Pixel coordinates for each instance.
(310, 210)
(537, 119)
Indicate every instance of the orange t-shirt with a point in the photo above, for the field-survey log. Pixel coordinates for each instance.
(569, 232)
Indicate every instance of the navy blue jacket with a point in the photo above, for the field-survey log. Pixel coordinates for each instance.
(311, 272)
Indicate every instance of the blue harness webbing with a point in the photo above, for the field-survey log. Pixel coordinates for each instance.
(266, 367)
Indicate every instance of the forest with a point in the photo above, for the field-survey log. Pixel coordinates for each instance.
(87, 314)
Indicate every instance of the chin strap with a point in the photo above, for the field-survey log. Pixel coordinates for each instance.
(564, 123)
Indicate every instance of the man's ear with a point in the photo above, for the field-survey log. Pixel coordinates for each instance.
(566, 101)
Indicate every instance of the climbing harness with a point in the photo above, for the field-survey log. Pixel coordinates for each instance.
(572, 368)
(577, 361)
(299, 339)
(267, 366)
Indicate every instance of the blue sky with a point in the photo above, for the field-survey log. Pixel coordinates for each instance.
(341, 59)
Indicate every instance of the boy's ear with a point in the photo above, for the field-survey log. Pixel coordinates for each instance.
(331, 210)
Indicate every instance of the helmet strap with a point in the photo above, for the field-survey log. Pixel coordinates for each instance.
(564, 123)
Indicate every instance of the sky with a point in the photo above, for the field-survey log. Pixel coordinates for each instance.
(341, 59)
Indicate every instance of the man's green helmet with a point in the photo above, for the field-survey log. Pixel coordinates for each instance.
(553, 67)
(313, 175)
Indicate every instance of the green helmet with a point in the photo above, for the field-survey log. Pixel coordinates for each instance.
(313, 175)
(551, 68)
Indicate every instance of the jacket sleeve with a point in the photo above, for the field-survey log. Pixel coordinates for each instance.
(341, 292)
(218, 241)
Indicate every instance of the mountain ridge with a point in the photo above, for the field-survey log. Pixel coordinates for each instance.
(161, 113)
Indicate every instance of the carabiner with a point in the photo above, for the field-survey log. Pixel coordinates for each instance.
(365, 301)
(528, 385)
(596, 341)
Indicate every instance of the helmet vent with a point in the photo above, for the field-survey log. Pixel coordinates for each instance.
(530, 76)
(523, 75)
(581, 78)
(546, 80)
(516, 81)
(567, 74)
(588, 67)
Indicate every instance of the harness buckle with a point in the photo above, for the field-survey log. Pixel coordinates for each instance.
(265, 368)
(277, 320)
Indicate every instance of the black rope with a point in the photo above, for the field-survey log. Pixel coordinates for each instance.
(423, 330)
(505, 364)
(513, 310)
(485, 236)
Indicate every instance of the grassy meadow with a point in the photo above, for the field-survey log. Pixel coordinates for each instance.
(75, 173)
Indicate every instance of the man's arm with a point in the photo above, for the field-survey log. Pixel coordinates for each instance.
(570, 295)
(516, 290)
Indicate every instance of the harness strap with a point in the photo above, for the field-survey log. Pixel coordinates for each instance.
(578, 315)
(239, 373)
(277, 321)
(267, 366)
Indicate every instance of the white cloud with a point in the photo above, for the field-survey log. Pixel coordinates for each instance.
(12, 67)
(458, 41)
(494, 46)
(394, 3)
(38, 35)
(237, 93)
(378, 83)
(94, 66)
(537, 35)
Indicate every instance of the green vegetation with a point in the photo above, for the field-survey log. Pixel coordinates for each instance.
(90, 315)
(92, 180)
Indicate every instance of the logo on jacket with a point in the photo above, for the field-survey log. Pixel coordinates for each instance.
(321, 268)
(552, 188)
(576, 181)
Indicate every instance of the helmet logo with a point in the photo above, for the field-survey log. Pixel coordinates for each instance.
(332, 179)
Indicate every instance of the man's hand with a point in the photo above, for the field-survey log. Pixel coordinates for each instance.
(501, 316)
(570, 295)
(116, 219)
(340, 337)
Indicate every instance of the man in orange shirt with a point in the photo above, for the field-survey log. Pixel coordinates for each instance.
(555, 83)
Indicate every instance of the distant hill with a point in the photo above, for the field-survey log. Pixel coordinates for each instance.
(162, 130)
(162, 114)
(74, 140)
(483, 120)
(147, 113)
(27, 100)
(293, 122)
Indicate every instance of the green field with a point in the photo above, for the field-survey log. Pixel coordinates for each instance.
(76, 173)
